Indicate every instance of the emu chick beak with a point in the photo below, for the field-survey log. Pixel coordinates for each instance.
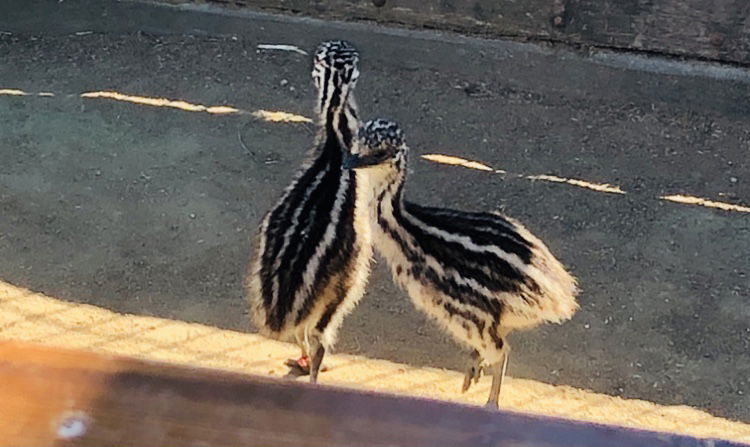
(353, 161)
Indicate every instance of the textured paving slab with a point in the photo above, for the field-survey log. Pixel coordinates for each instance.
(28, 316)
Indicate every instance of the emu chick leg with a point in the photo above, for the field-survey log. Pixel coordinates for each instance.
(498, 375)
(318, 351)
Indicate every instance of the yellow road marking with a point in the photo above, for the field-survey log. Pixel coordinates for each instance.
(286, 117)
(280, 117)
(691, 200)
(601, 187)
(266, 115)
(12, 92)
(471, 164)
(161, 102)
(457, 161)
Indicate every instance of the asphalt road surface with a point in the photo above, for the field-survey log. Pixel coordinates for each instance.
(151, 210)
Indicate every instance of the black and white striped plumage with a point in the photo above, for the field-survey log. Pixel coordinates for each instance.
(313, 250)
(479, 275)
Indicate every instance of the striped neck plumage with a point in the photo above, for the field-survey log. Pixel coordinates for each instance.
(387, 182)
(337, 112)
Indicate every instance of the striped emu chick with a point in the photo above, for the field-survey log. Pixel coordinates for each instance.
(313, 250)
(480, 275)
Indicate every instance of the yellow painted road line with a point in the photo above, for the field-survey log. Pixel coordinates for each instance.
(594, 186)
(265, 115)
(286, 117)
(691, 200)
(12, 92)
(161, 102)
(457, 161)
(601, 187)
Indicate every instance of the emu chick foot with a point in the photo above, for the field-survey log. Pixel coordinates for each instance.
(300, 367)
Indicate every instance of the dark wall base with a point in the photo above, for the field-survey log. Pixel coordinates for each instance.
(707, 29)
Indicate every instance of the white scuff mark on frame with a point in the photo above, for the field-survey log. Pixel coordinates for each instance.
(73, 425)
